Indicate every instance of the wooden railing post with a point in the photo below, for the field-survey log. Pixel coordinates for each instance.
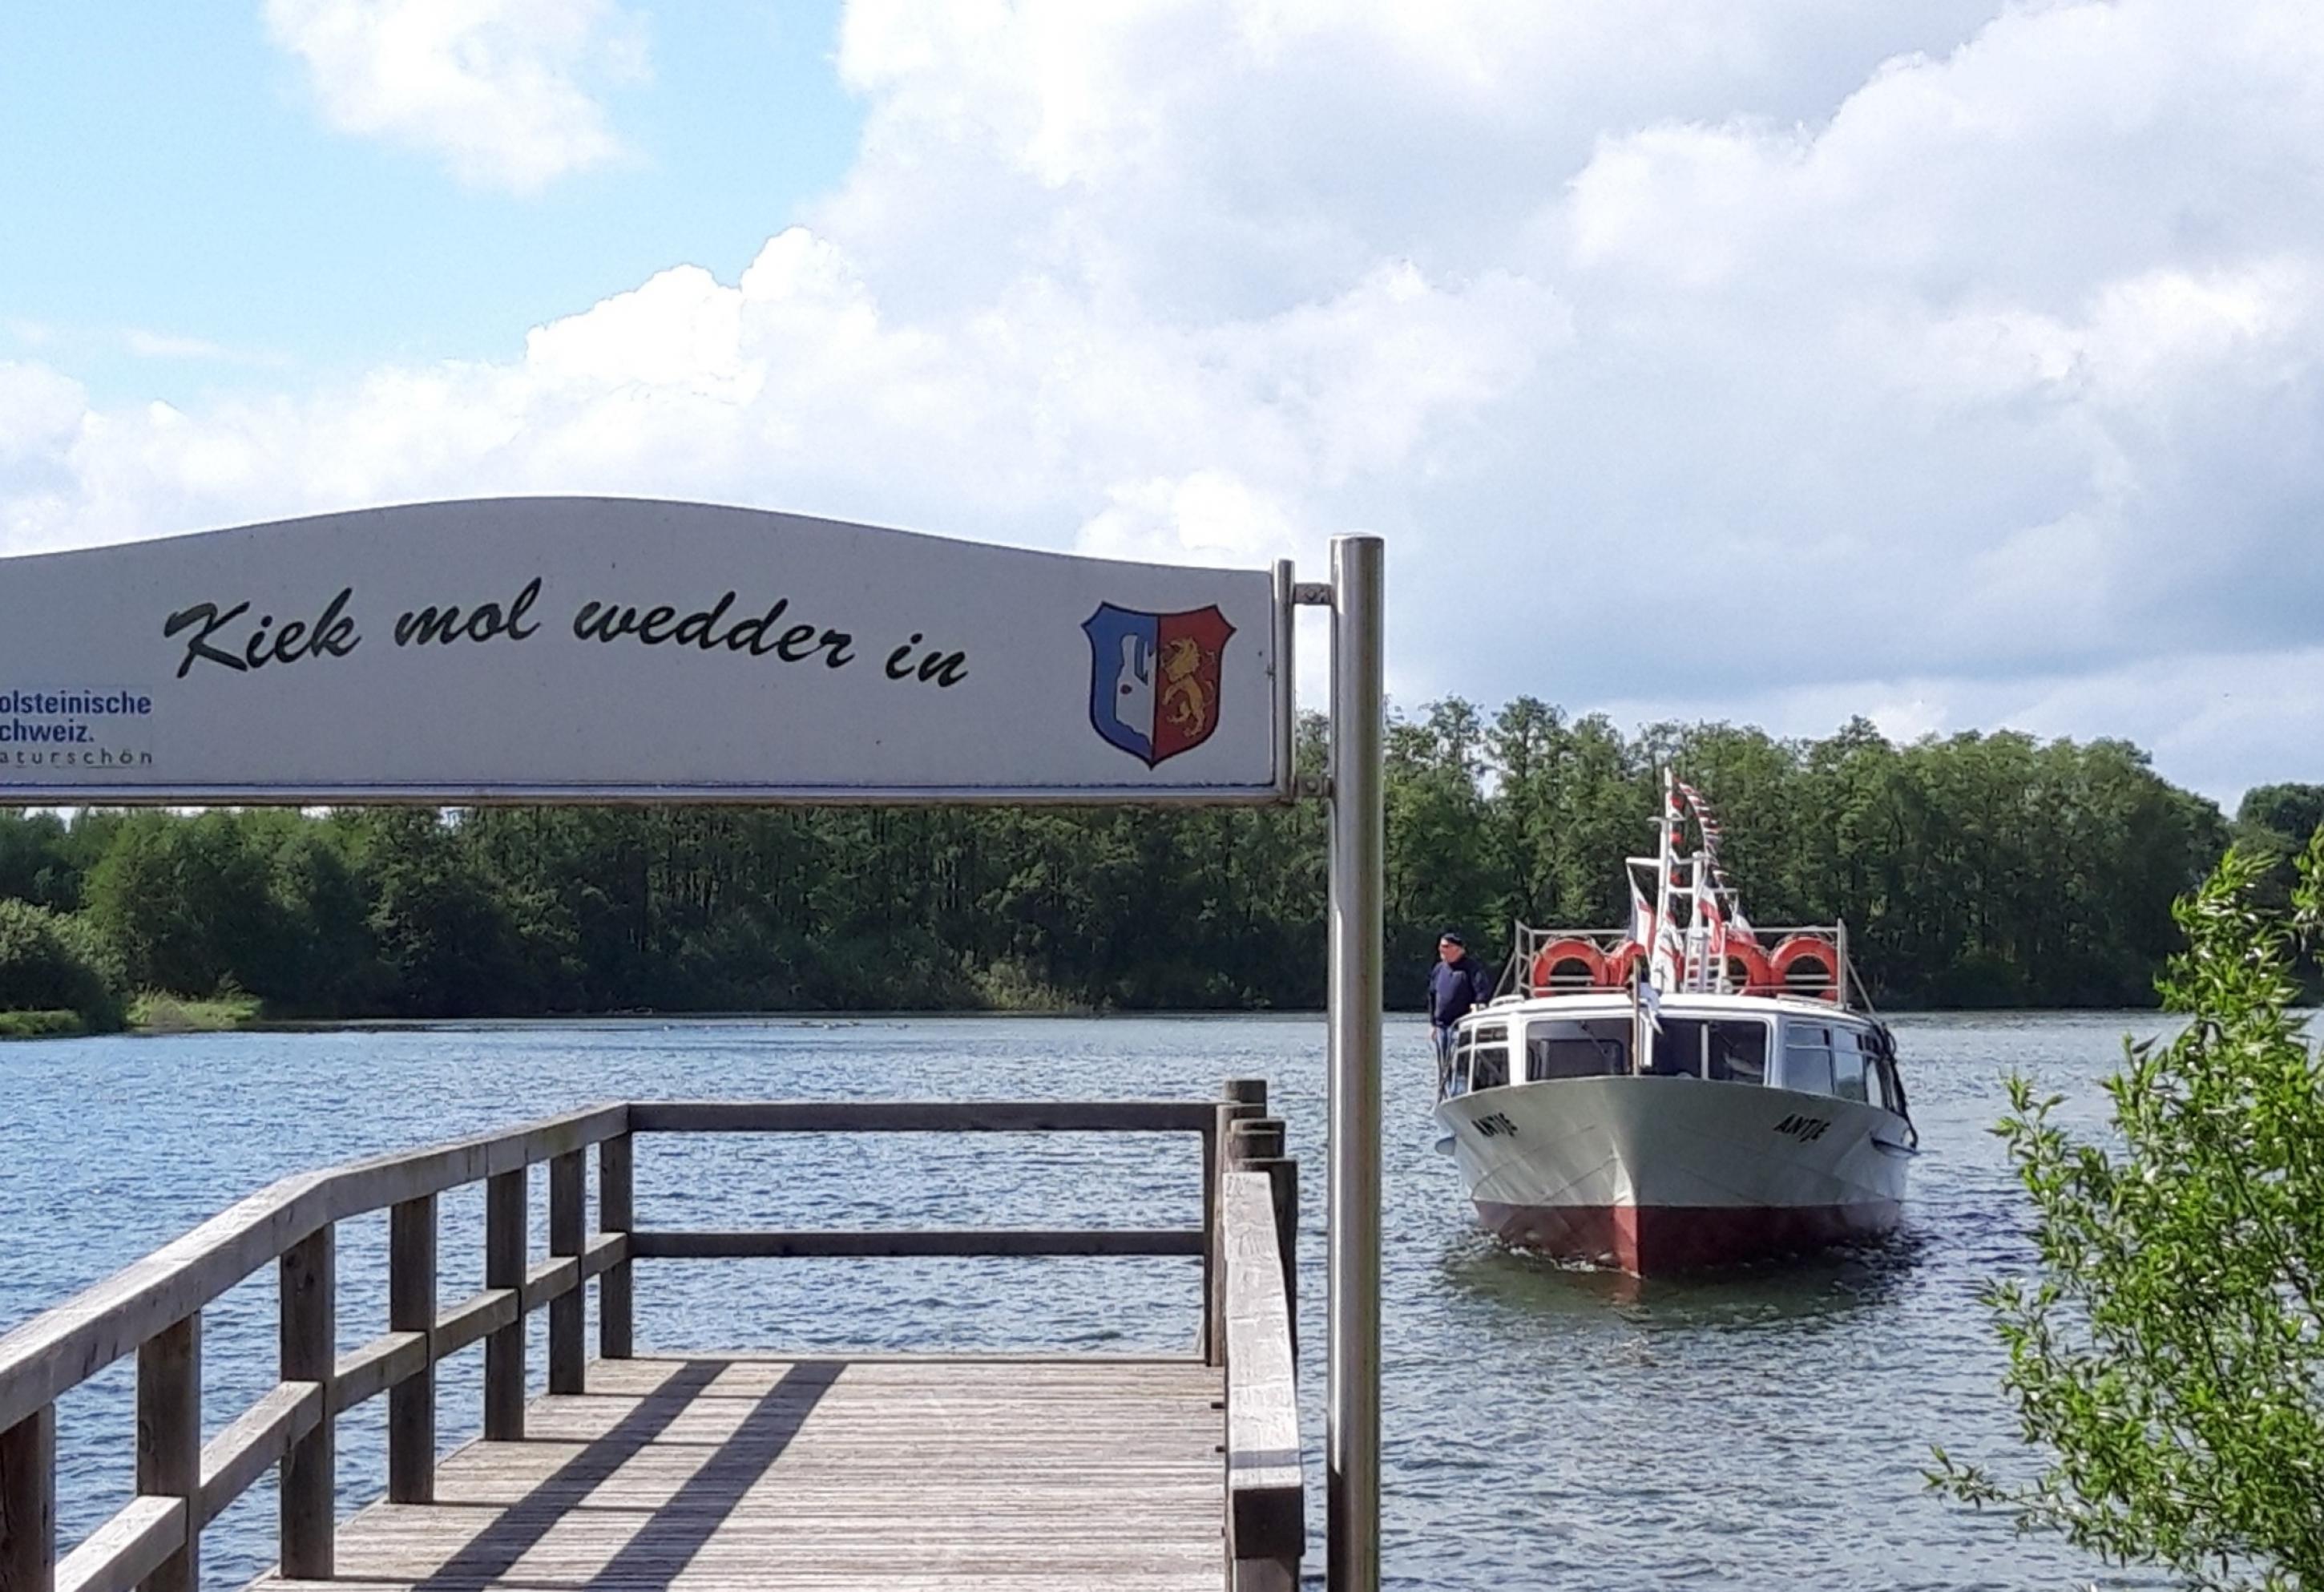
(504, 1256)
(411, 1308)
(616, 1302)
(169, 1441)
(567, 1360)
(1258, 1147)
(28, 1504)
(1283, 1179)
(309, 1350)
(1244, 1097)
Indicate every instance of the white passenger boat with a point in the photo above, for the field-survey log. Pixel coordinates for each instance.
(1687, 1091)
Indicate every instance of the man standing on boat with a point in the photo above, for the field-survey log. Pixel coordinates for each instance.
(1456, 984)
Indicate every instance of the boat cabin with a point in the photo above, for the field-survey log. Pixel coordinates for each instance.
(1738, 1039)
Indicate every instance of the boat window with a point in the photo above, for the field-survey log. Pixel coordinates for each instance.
(1489, 1067)
(1565, 1048)
(1677, 1049)
(1807, 1058)
(1848, 1067)
(1739, 1052)
(1876, 1072)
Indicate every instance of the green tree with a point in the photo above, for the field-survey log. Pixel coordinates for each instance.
(1973, 870)
(52, 962)
(37, 862)
(1439, 871)
(2168, 1355)
(444, 938)
(187, 906)
(329, 962)
(2292, 811)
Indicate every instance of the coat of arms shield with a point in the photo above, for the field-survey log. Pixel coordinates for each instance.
(1154, 678)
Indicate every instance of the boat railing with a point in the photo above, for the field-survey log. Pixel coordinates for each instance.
(1838, 983)
(153, 1309)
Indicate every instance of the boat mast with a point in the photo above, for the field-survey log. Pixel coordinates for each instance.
(1664, 859)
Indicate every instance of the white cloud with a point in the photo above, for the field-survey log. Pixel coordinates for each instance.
(153, 344)
(2215, 722)
(506, 92)
(1790, 360)
(40, 412)
(146, 344)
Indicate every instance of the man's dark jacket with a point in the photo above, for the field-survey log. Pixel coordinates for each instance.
(1453, 987)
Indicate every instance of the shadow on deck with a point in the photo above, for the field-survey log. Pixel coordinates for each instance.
(907, 1473)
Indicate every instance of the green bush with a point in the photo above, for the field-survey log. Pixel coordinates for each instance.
(50, 962)
(41, 1026)
(2166, 1355)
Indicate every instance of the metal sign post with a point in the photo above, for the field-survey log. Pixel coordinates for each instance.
(1359, 831)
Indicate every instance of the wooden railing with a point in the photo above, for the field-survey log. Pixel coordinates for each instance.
(1258, 1233)
(153, 1309)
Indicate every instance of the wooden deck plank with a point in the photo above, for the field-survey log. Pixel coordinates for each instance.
(942, 1474)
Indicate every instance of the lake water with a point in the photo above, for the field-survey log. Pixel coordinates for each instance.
(1544, 1427)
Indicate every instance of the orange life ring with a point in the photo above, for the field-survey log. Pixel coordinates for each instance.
(1568, 965)
(1748, 969)
(1821, 984)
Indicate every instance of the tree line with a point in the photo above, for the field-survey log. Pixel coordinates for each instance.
(1972, 870)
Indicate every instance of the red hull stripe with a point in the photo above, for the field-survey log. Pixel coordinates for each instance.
(1652, 1239)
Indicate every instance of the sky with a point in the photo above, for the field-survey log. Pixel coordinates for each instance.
(1957, 365)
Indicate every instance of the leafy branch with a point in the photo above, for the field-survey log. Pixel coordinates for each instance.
(2167, 1354)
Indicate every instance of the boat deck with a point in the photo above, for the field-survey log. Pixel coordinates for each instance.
(909, 1474)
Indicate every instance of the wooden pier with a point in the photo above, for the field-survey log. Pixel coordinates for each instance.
(772, 1469)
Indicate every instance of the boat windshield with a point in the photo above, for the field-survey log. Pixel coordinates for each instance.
(1725, 1050)
(1566, 1047)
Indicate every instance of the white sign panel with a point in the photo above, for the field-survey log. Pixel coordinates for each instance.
(608, 649)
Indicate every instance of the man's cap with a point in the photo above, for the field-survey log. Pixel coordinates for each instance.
(1453, 937)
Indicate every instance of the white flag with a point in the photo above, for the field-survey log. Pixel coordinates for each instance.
(1714, 928)
(1666, 957)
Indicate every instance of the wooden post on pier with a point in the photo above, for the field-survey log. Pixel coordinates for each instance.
(310, 1351)
(28, 1503)
(505, 1247)
(170, 1441)
(617, 1201)
(1242, 1098)
(1258, 1147)
(568, 1357)
(411, 1308)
